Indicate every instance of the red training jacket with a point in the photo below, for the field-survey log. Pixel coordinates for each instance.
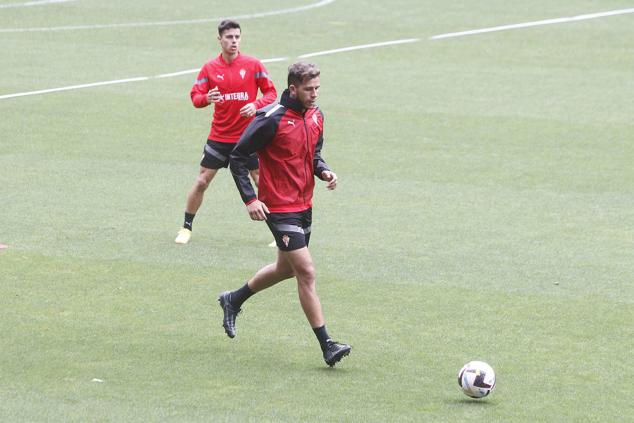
(288, 143)
(238, 82)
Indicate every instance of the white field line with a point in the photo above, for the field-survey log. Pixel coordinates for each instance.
(374, 45)
(170, 23)
(75, 87)
(190, 71)
(32, 3)
(275, 59)
(173, 74)
(345, 49)
(534, 23)
(117, 81)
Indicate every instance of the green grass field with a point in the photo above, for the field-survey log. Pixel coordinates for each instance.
(485, 211)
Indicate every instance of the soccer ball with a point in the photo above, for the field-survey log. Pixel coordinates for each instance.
(477, 379)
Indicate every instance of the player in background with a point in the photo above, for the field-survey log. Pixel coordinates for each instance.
(230, 82)
(288, 138)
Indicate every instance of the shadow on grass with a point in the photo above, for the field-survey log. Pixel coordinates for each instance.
(333, 371)
(470, 402)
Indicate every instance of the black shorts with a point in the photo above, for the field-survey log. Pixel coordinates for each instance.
(290, 230)
(216, 155)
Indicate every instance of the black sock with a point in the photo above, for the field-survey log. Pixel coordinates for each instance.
(322, 336)
(237, 297)
(189, 220)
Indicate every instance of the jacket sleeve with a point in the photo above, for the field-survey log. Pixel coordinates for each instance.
(265, 84)
(256, 136)
(199, 91)
(319, 165)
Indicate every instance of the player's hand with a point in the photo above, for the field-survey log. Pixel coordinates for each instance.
(248, 110)
(214, 96)
(331, 178)
(257, 210)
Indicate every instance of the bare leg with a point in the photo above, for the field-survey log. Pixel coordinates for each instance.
(302, 264)
(266, 277)
(197, 191)
(271, 274)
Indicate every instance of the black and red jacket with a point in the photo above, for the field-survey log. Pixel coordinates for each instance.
(288, 143)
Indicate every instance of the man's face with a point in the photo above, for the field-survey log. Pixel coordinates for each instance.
(307, 92)
(230, 41)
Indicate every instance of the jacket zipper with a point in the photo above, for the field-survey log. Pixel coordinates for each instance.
(306, 160)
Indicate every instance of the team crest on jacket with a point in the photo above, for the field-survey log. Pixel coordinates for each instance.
(286, 239)
(242, 73)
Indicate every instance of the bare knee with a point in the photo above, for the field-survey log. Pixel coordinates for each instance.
(302, 264)
(306, 275)
(202, 182)
(284, 270)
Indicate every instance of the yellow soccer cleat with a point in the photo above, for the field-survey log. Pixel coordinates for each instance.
(183, 236)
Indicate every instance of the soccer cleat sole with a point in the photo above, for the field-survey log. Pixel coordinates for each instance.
(336, 359)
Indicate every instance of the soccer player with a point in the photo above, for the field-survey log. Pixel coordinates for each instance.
(288, 138)
(230, 82)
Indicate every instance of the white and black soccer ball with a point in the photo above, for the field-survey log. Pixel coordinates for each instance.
(476, 379)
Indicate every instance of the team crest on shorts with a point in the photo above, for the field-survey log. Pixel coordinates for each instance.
(286, 239)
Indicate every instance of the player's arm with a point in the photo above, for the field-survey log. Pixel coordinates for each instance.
(319, 165)
(322, 171)
(256, 136)
(200, 90)
(266, 86)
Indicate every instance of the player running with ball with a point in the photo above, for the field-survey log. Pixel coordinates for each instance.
(288, 138)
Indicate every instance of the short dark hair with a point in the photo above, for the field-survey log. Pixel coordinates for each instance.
(301, 72)
(228, 24)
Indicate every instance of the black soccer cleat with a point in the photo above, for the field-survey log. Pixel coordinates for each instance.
(229, 317)
(335, 352)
